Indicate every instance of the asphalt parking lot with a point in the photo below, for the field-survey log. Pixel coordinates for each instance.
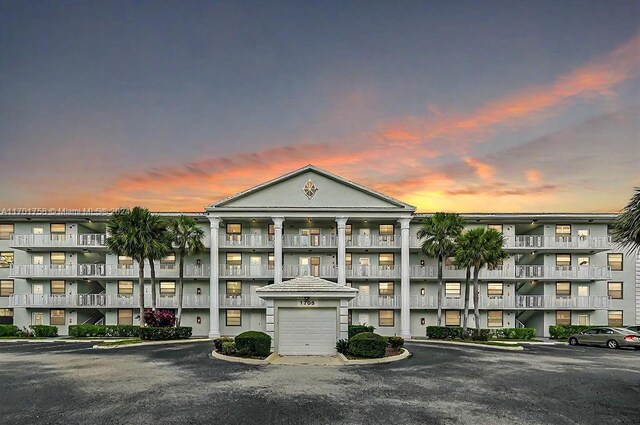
(73, 383)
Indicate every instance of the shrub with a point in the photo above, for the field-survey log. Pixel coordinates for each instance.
(25, 333)
(367, 344)
(445, 332)
(342, 346)
(253, 343)
(9, 330)
(159, 318)
(44, 330)
(157, 334)
(228, 348)
(563, 331)
(104, 331)
(356, 329)
(514, 333)
(395, 342)
(217, 343)
(480, 335)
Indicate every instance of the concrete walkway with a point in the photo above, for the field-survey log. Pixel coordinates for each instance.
(307, 360)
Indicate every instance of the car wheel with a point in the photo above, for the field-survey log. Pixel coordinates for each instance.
(573, 341)
(613, 344)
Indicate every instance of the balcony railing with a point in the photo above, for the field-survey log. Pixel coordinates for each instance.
(375, 301)
(519, 302)
(245, 241)
(104, 301)
(458, 273)
(84, 240)
(373, 241)
(227, 270)
(324, 271)
(102, 270)
(563, 272)
(311, 241)
(558, 242)
(233, 301)
(373, 271)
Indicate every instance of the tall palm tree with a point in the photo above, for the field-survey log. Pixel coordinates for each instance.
(158, 249)
(438, 234)
(130, 235)
(626, 230)
(464, 258)
(187, 237)
(484, 249)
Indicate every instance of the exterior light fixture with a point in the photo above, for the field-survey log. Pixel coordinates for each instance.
(422, 262)
(422, 292)
(422, 322)
(199, 291)
(198, 320)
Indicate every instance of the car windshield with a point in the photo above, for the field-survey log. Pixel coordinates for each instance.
(624, 331)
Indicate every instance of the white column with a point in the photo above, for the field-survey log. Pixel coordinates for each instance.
(405, 281)
(214, 307)
(342, 275)
(277, 249)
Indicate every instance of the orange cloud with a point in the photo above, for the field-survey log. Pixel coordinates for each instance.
(482, 169)
(533, 176)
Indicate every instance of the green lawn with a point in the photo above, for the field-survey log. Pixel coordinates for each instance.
(121, 342)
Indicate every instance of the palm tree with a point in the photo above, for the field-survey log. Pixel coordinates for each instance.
(187, 237)
(626, 230)
(464, 258)
(484, 248)
(158, 249)
(439, 233)
(130, 235)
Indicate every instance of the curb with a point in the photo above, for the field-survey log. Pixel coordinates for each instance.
(466, 344)
(142, 344)
(405, 355)
(244, 360)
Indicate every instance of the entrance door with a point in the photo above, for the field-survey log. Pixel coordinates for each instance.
(38, 293)
(364, 318)
(37, 318)
(305, 270)
(363, 295)
(307, 331)
(315, 266)
(257, 321)
(255, 264)
(365, 237)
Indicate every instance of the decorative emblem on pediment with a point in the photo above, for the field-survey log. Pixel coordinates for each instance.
(309, 189)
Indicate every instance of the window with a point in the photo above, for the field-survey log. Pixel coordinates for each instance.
(583, 261)
(385, 288)
(348, 260)
(385, 259)
(614, 290)
(6, 259)
(37, 259)
(56, 317)
(37, 318)
(315, 266)
(494, 289)
(167, 288)
(125, 288)
(6, 316)
(452, 289)
(37, 230)
(364, 261)
(563, 289)
(271, 261)
(615, 318)
(125, 262)
(563, 230)
(563, 260)
(234, 259)
(583, 233)
(452, 318)
(271, 230)
(234, 317)
(6, 288)
(615, 262)
(125, 316)
(58, 228)
(348, 231)
(168, 262)
(57, 287)
(563, 317)
(6, 230)
(583, 319)
(494, 318)
(57, 258)
(583, 291)
(386, 232)
(496, 227)
(234, 232)
(234, 288)
(385, 318)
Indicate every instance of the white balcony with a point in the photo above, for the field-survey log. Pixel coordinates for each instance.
(375, 301)
(383, 272)
(502, 272)
(563, 272)
(311, 241)
(256, 271)
(241, 301)
(102, 270)
(104, 301)
(373, 241)
(558, 242)
(324, 271)
(85, 240)
(245, 241)
(561, 303)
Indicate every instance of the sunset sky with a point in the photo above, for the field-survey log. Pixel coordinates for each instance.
(508, 106)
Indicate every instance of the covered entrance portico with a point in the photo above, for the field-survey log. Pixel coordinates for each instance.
(306, 315)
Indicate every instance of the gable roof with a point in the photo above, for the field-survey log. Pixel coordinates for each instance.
(310, 167)
(306, 284)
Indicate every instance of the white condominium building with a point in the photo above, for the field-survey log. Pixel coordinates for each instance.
(297, 232)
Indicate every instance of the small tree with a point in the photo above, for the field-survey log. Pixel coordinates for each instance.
(158, 249)
(626, 230)
(464, 258)
(438, 234)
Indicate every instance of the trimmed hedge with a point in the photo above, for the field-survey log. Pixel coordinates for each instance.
(228, 348)
(445, 332)
(395, 342)
(456, 332)
(217, 343)
(356, 329)
(104, 331)
(367, 344)
(45, 331)
(9, 330)
(160, 334)
(479, 335)
(253, 343)
(514, 333)
(563, 331)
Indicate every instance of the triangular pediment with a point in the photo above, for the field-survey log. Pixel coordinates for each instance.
(310, 187)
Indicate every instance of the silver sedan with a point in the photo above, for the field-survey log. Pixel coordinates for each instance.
(609, 337)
